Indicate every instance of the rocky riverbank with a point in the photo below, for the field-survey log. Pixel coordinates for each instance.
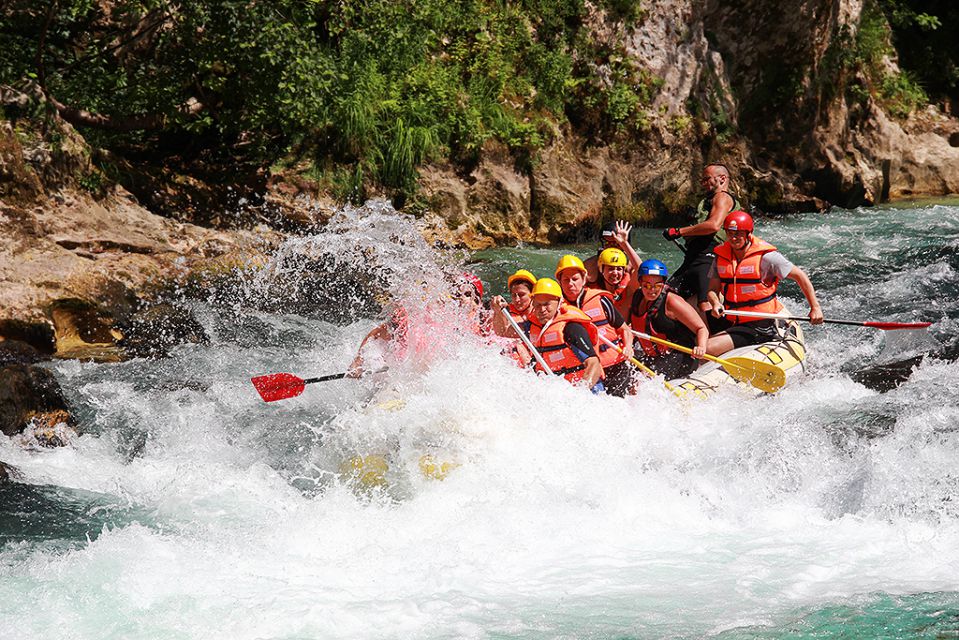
(762, 87)
(93, 239)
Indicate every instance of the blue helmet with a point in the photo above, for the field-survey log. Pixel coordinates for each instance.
(653, 267)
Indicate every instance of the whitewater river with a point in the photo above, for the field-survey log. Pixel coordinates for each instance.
(189, 508)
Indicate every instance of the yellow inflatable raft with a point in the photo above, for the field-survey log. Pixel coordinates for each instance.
(787, 353)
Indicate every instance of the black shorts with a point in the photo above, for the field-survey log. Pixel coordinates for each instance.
(672, 364)
(620, 379)
(749, 333)
(692, 276)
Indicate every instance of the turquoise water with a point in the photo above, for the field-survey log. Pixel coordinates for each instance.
(191, 509)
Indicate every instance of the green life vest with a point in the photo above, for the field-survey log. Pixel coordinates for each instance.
(701, 244)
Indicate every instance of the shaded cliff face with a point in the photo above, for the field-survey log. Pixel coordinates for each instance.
(788, 94)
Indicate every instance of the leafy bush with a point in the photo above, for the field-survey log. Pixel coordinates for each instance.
(379, 85)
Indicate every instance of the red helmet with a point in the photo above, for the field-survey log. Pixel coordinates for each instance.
(474, 280)
(738, 221)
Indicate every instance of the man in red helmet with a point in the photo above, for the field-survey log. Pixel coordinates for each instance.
(747, 271)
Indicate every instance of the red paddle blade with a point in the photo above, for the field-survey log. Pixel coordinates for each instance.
(278, 386)
(888, 326)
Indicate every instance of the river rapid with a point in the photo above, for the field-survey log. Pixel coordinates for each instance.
(189, 508)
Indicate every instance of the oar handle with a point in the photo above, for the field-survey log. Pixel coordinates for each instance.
(680, 246)
(639, 365)
(677, 347)
(526, 341)
(332, 376)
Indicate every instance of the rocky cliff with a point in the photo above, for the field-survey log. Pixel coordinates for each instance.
(793, 96)
(775, 90)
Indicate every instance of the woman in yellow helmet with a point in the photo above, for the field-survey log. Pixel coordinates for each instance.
(520, 286)
(599, 306)
(616, 235)
(618, 277)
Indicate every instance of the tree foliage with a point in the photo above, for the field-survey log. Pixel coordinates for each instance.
(924, 34)
(380, 84)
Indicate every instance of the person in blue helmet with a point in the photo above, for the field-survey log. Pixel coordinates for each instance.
(659, 311)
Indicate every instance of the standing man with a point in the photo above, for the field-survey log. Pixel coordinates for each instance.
(599, 306)
(691, 280)
(562, 334)
(747, 272)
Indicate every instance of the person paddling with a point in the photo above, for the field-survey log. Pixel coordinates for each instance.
(660, 312)
(747, 271)
(563, 334)
(405, 334)
(598, 305)
(691, 279)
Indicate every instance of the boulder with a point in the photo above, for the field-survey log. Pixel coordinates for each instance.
(30, 397)
(154, 329)
(7, 473)
(16, 352)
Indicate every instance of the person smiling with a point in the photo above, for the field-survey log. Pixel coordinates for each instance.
(659, 311)
(747, 271)
(599, 306)
(520, 286)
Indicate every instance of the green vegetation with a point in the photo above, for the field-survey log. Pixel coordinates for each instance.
(366, 89)
(924, 34)
(857, 64)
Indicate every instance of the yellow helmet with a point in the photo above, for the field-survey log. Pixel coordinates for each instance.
(521, 276)
(547, 287)
(569, 262)
(613, 257)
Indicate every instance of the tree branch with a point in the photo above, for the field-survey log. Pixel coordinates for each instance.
(138, 122)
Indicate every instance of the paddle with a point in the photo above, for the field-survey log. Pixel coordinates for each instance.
(885, 326)
(522, 336)
(762, 375)
(639, 365)
(680, 246)
(280, 386)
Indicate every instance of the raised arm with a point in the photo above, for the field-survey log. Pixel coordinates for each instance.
(621, 236)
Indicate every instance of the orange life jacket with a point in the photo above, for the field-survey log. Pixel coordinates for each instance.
(590, 303)
(518, 316)
(619, 292)
(654, 321)
(742, 287)
(622, 294)
(551, 345)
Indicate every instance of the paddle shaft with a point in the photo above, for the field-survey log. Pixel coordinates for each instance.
(332, 376)
(856, 323)
(639, 365)
(761, 375)
(680, 246)
(679, 347)
(526, 341)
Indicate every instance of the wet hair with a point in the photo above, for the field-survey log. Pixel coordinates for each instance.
(529, 285)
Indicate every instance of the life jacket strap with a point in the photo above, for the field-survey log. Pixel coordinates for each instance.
(750, 303)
